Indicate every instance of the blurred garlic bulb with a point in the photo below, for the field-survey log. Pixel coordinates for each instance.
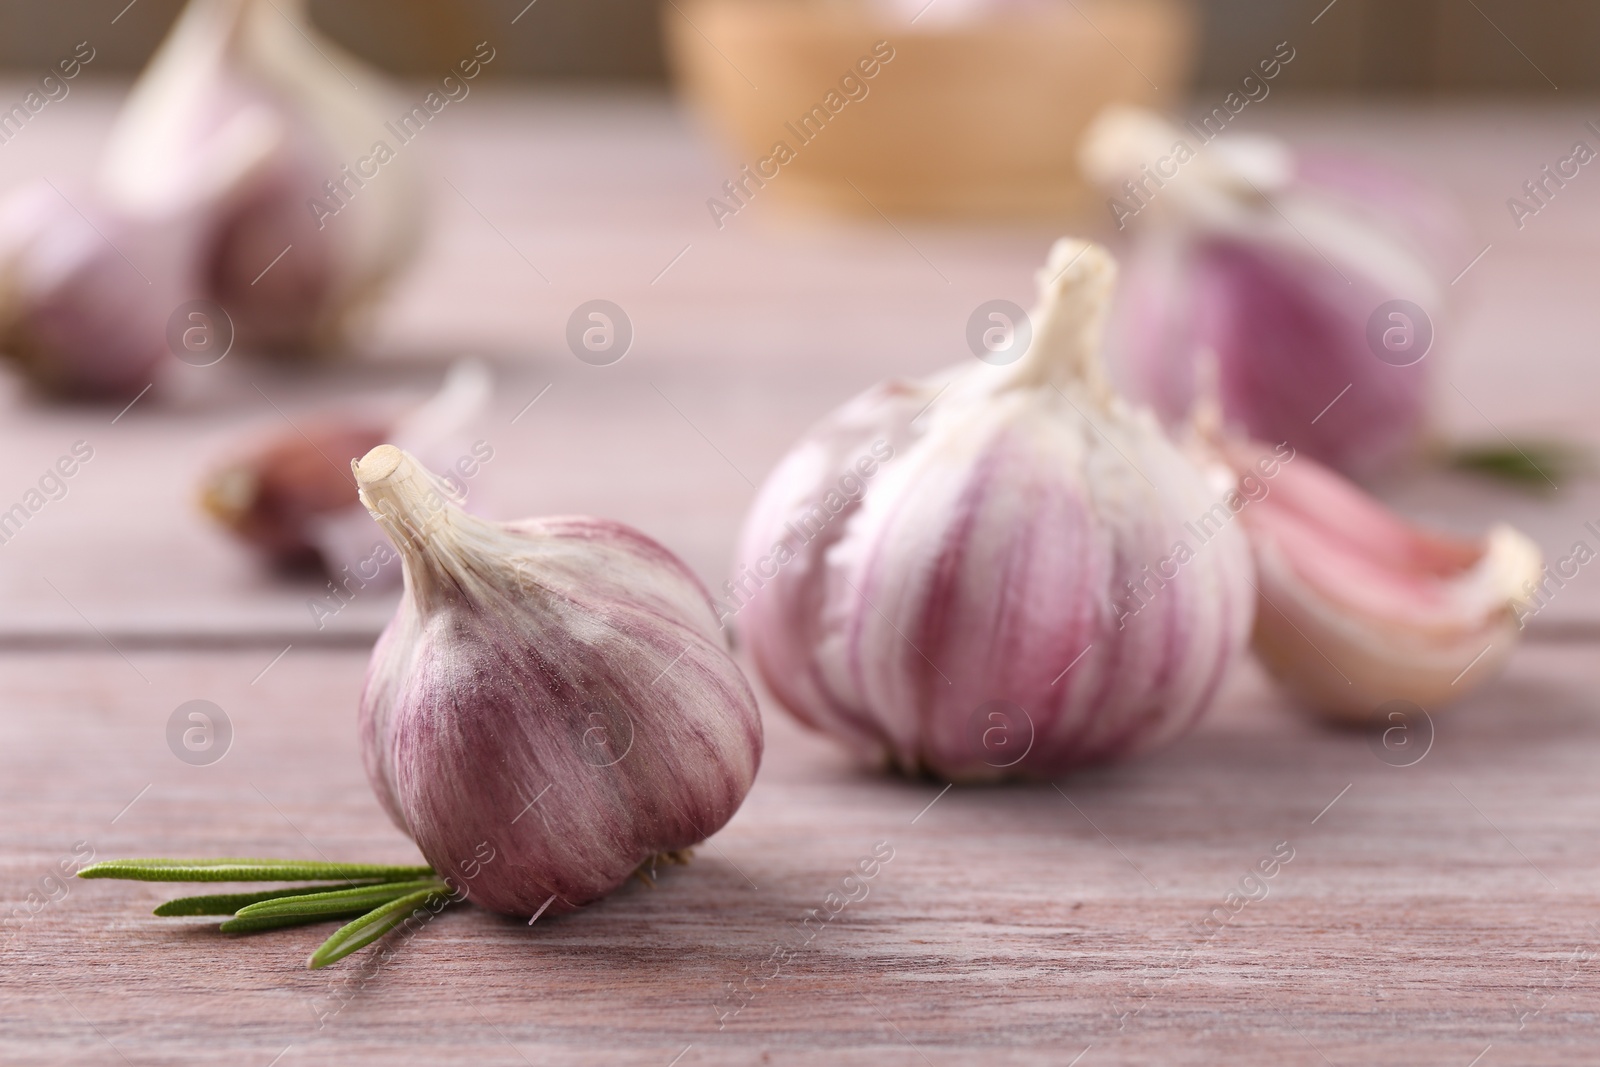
(555, 687)
(75, 312)
(288, 497)
(242, 117)
(1277, 263)
(1359, 608)
(989, 573)
(254, 80)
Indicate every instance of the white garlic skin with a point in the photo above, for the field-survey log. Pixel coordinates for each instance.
(988, 554)
(557, 688)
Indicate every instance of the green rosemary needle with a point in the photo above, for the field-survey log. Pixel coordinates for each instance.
(249, 870)
(339, 901)
(229, 903)
(362, 932)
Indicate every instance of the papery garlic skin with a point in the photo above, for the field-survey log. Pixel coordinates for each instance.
(1272, 263)
(1359, 608)
(554, 687)
(991, 560)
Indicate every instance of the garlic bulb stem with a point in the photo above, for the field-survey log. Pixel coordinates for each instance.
(434, 536)
(1069, 322)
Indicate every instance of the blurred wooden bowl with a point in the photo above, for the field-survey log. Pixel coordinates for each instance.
(979, 118)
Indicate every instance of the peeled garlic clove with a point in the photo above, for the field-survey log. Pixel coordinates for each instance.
(554, 687)
(1359, 607)
(289, 496)
(245, 113)
(942, 574)
(1274, 262)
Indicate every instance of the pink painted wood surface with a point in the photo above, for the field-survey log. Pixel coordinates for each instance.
(1428, 911)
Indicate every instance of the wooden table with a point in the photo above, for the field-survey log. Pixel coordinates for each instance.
(1442, 913)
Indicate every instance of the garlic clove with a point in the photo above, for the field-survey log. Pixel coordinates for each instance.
(554, 690)
(269, 496)
(936, 552)
(1359, 607)
(1276, 262)
(289, 497)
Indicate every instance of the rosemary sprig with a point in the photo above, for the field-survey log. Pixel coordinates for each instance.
(237, 925)
(1534, 464)
(357, 935)
(377, 897)
(314, 906)
(228, 903)
(249, 870)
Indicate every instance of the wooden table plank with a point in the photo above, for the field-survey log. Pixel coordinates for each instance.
(1422, 916)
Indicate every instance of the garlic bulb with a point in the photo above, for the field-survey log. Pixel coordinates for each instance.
(1359, 608)
(556, 687)
(989, 573)
(1277, 264)
(242, 118)
(84, 293)
(288, 112)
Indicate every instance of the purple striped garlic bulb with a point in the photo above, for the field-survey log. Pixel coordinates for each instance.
(1285, 268)
(1001, 571)
(556, 689)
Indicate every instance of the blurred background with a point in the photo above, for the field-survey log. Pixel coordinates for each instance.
(1416, 47)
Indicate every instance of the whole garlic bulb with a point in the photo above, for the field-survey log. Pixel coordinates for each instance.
(556, 687)
(1360, 608)
(76, 313)
(1275, 263)
(203, 192)
(945, 574)
(251, 94)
